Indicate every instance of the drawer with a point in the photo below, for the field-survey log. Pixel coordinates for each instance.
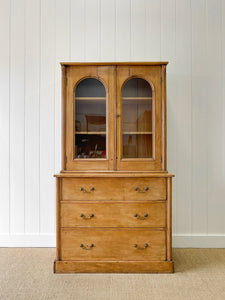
(113, 189)
(92, 189)
(144, 189)
(113, 244)
(113, 214)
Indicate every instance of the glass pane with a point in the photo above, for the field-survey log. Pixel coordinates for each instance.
(137, 119)
(90, 119)
(137, 87)
(137, 145)
(90, 87)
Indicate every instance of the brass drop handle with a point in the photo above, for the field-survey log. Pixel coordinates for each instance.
(141, 218)
(140, 248)
(87, 247)
(137, 189)
(85, 191)
(87, 218)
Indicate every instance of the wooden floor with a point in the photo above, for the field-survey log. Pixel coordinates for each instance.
(27, 273)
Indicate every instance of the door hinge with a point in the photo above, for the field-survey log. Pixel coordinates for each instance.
(161, 159)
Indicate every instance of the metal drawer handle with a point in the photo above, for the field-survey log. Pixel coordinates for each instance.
(85, 191)
(87, 247)
(137, 189)
(140, 248)
(141, 218)
(87, 218)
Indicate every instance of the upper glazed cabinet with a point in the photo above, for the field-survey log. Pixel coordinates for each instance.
(114, 117)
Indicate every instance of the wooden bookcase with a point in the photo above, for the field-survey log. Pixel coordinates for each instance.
(114, 192)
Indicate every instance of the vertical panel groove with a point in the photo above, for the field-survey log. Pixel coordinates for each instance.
(84, 30)
(24, 79)
(207, 198)
(115, 34)
(70, 31)
(39, 123)
(130, 31)
(191, 208)
(10, 36)
(99, 29)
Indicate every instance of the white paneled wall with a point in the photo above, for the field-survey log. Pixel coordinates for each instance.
(37, 34)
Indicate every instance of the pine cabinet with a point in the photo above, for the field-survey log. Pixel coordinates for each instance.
(114, 193)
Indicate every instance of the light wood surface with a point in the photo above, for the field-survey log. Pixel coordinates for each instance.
(153, 75)
(119, 174)
(58, 218)
(114, 267)
(113, 244)
(104, 189)
(156, 189)
(113, 214)
(164, 120)
(169, 219)
(63, 114)
(113, 189)
(74, 75)
(130, 63)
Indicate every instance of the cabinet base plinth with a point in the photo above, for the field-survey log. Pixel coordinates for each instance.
(113, 266)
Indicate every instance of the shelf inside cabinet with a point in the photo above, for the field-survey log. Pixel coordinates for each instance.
(90, 132)
(137, 132)
(91, 98)
(137, 98)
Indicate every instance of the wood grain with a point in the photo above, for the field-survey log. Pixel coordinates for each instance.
(63, 108)
(117, 209)
(122, 174)
(156, 188)
(106, 75)
(113, 244)
(169, 219)
(104, 189)
(153, 75)
(58, 218)
(113, 189)
(113, 267)
(130, 63)
(112, 214)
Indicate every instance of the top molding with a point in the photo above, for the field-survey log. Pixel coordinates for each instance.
(131, 63)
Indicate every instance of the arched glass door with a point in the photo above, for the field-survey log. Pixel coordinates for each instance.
(90, 120)
(89, 107)
(139, 118)
(137, 129)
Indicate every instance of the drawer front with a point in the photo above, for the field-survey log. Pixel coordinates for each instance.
(113, 244)
(145, 189)
(114, 189)
(113, 214)
(92, 189)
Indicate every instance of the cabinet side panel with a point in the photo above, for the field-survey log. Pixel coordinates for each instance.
(164, 116)
(58, 219)
(63, 117)
(169, 219)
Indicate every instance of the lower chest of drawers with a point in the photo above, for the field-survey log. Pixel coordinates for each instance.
(125, 226)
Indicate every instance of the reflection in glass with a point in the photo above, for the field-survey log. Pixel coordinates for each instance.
(137, 145)
(137, 119)
(90, 145)
(90, 119)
